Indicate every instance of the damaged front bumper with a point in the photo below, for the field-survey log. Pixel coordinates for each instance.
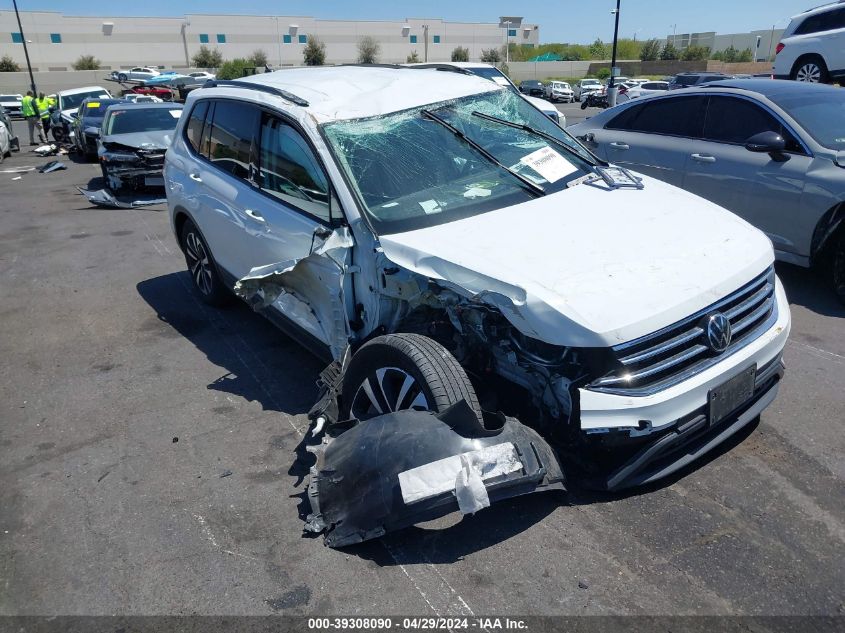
(134, 170)
(403, 468)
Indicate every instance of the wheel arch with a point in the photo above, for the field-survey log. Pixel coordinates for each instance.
(805, 57)
(180, 216)
(830, 224)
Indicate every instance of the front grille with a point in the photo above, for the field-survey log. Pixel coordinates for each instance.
(673, 354)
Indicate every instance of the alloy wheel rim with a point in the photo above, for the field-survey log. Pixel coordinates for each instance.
(385, 390)
(198, 263)
(810, 73)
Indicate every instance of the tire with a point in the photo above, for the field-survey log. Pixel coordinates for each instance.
(121, 77)
(810, 69)
(59, 134)
(583, 105)
(404, 371)
(837, 269)
(202, 267)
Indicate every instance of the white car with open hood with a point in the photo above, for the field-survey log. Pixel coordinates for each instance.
(440, 242)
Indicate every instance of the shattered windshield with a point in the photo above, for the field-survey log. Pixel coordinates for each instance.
(411, 171)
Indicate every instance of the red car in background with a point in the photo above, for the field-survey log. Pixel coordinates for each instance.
(158, 91)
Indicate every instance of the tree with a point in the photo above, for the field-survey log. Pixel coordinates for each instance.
(368, 50)
(413, 58)
(86, 62)
(491, 56)
(460, 54)
(258, 57)
(669, 51)
(598, 50)
(650, 51)
(603, 73)
(314, 53)
(207, 58)
(627, 48)
(746, 56)
(234, 69)
(695, 54)
(8, 65)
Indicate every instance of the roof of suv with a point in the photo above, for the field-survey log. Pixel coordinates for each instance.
(770, 87)
(353, 92)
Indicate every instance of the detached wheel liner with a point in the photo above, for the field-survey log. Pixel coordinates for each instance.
(404, 371)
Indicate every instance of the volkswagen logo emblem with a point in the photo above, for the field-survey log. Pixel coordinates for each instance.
(718, 332)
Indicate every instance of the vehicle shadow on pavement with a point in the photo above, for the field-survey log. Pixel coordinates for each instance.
(810, 289)
(261, 363)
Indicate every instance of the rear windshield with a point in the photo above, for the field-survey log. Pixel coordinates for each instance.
(10, 97)
(73, 101)
(141, 119)
(686, 80)
(821, 113)
(590, 82)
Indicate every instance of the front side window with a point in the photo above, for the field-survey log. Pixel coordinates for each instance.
(289, 170)
(676, 116)
(733, 120)
(232, 137)
(410, 171)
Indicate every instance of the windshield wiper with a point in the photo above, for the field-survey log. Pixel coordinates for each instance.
(535, 189)
(536, 132)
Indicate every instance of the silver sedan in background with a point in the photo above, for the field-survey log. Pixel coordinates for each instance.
(773, 152)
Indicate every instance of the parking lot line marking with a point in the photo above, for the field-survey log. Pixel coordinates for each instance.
(816, 351)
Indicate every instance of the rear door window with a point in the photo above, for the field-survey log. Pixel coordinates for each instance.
(734, 120)
(675, 116)
(289, 170)
(232, 137)
(827, 21)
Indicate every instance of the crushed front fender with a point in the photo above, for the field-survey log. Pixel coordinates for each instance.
(403, 468)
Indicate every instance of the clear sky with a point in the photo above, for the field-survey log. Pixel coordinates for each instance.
(577, 21)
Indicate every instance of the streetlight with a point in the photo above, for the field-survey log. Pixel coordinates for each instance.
(185, 26)
(278, 40)
(507, 24)
(611, 89)
(25, 50)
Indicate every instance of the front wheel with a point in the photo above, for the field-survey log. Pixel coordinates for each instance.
(583, 105)
(404, 371)
(59, 134)
(121, 77)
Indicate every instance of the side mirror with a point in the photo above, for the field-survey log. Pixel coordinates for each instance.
(766, 143)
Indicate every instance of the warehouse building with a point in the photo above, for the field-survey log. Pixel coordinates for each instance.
(762, 43)
(55, 40)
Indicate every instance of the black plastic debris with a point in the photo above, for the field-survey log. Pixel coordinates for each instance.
(225, 473)
(403, 468)
(105, 198)
(53, 165)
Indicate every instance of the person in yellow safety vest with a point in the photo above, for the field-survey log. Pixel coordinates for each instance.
(43, 104)
(29, 109)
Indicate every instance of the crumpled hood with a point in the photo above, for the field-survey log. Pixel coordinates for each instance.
(158, 139)
(589, 266)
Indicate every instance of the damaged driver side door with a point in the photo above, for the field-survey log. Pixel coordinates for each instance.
(301, 225)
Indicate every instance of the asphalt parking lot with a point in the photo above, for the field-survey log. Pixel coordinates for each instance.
(152, 462)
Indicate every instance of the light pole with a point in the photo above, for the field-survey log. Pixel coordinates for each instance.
(278, 40)
(25, 50)
(425, 35)
(611, 89)
(674, 28)
(507, 24)
(185, 26)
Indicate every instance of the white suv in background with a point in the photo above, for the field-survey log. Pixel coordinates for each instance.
(434, 237)
(813, 46)
(586, 86)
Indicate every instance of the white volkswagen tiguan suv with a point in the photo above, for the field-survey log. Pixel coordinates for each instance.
(436, 239)
(811, 48)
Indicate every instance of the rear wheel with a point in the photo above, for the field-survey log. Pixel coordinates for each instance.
(404, 371)
(202, 268)
(810, 69)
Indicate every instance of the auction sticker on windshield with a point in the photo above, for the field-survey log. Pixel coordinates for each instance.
(549, 164)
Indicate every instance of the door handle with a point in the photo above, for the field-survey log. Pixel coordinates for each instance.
(616, 145)
(195, 177)
(704, 158)
(255, 215)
